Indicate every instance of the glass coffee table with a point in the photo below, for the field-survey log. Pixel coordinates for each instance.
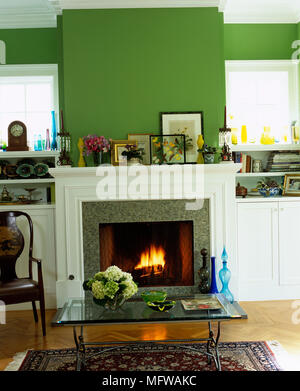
(84, 312)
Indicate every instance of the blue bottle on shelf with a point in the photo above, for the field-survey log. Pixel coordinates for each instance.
(225, 275)
(54, 132)
(213, 285)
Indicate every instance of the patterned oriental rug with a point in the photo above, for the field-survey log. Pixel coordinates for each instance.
(235, 356)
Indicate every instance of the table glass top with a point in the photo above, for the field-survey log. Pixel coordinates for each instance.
(84, 311)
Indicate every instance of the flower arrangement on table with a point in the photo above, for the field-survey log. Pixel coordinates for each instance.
(111, 288)
(96, 145)
(133, 152)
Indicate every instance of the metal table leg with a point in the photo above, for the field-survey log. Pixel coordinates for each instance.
(80, 349)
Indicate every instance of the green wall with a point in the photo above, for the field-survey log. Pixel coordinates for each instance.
(259, 41)
(30, 46)
(122, 67)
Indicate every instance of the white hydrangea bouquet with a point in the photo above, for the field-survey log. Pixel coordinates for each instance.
(111, 288)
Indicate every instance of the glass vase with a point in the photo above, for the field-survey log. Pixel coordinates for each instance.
(115, 303)
(204, 274)
(244, 134)
(54, 132)
(97, 157)
(213, 284)
(225, 275)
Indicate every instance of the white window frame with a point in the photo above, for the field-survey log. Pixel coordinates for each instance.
(290, 66)
(34, 70)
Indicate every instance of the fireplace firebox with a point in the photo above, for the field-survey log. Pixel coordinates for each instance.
(155, 253)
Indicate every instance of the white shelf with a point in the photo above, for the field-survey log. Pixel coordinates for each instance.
(22, 181)
(250, 199)
(264, 148)
(28, 154)
(264, 174)
(28, 206)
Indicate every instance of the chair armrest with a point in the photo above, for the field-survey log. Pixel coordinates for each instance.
(39, 265)
(36, 260)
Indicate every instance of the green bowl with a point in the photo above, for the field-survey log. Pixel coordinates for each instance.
(151, 296)
(161, 306)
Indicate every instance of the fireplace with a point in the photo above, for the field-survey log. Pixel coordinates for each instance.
(155, 253)
(131, 234)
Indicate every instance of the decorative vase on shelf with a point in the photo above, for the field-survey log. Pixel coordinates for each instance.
(225, 275)
(97, 157)
(244, 134)
(54, 132)
(200, 143)
(204, 273)
(81, 161)
(213, 284)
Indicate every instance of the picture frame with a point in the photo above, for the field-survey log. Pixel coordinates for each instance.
(291, 185)
(189, 123)
(117, 147)
(143, 141)
(167, 149)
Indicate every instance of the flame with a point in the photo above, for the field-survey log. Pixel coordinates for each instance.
(153, 258)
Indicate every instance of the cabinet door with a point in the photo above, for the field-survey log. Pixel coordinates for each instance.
(258, 250)
(289, 244)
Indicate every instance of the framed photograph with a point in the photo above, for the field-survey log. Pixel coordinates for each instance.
(291, 185)
(167, 149)
(143, 141)
(117, 147)
(188, 123)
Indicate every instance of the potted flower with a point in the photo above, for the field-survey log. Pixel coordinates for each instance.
(268, 189)
(96, 145)
(111, 288)
(133, 153)
(208, 153)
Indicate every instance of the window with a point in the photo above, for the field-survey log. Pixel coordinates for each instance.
(262, 93)
(28, 93)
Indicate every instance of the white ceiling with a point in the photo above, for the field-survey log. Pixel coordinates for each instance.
(42, 13)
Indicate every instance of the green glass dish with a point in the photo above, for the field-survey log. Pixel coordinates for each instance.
(161, 306)
(151, 296)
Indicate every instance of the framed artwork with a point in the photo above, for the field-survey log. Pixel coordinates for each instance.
(291, 185)
(117, 147)
(188, 123)
(167, 149)
(143, 141)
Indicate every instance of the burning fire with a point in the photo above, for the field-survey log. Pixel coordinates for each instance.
(152, 260)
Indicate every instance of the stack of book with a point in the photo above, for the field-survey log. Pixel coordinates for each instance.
(245, 159)
(283, 162)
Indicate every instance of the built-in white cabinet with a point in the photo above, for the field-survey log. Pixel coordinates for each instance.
(268, 249)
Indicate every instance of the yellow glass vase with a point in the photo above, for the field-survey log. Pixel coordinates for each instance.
(234, 136)
(200, 143)
(244, 134)
(266, 137)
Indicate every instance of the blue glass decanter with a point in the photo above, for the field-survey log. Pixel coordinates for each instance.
(54, 132)
(225, 275)
(213, 285)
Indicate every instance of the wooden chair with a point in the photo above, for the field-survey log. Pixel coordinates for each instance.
(15, 290)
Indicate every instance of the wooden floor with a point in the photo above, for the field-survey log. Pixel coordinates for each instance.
(266, 321)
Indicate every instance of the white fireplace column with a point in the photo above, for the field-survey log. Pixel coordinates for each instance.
(73, 186)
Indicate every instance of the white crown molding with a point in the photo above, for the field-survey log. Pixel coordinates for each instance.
(100, 4)
(260, 19)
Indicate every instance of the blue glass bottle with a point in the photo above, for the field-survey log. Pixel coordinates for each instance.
(213, 285)
(225, 275)
(54, 132)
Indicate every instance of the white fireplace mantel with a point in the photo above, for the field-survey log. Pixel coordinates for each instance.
(73, 186)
